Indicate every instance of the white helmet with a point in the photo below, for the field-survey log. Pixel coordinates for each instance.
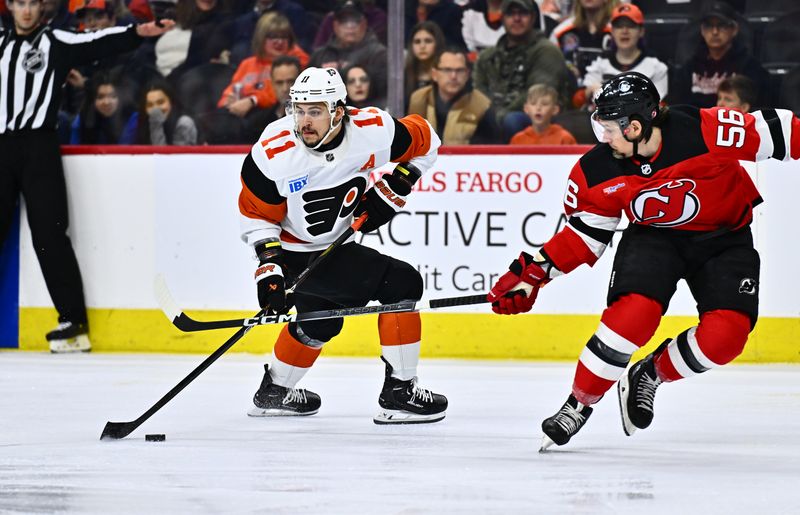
(318, 85)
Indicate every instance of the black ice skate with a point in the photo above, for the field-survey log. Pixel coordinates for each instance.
(404, 402)
(272, 400)
(562, 426)
(68, 338)
(637, 393)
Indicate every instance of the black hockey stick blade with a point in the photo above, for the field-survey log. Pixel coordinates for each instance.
(118, 430)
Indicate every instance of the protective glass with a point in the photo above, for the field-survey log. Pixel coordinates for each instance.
(605, 130)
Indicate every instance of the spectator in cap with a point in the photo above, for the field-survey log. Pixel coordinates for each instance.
(482, 24)
(627, 30)
(585, 35)
(720, 54)
(93, 15)
(353, 43)
(376, 21)
(444, 13)
(522, 57)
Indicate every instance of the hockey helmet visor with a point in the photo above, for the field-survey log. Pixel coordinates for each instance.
(606, 130)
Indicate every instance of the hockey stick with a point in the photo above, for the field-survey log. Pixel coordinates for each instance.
(118, 430)
(187, 324)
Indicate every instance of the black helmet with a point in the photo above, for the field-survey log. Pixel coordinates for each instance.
(628, 95)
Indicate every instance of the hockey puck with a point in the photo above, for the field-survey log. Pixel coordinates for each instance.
(155, 438)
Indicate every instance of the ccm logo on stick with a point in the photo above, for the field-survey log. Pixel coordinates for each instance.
(268, 319)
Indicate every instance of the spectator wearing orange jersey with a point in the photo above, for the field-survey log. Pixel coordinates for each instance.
(541, 106)
(250, 86)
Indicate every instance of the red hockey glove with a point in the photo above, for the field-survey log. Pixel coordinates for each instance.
(269, 278)
(382, 201)
(523, 275)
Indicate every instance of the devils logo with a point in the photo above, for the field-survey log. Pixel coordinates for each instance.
(668, 205)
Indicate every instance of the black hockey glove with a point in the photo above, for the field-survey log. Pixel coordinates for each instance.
(269, 277)
(382, 201)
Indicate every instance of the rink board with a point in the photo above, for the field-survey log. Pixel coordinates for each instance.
(445, 335)
(136, 215)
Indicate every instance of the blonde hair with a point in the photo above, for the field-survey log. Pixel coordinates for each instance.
(270, 23)
(538, 91)
(582, 21)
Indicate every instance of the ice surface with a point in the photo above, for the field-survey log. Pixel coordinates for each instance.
(725, 442)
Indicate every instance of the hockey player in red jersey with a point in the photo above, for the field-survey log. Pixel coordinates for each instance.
(676, 175)
(302, 184)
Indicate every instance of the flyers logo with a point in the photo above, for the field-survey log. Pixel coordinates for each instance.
(325, 207)
(668, 205)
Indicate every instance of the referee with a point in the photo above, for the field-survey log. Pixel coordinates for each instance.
(34, 62)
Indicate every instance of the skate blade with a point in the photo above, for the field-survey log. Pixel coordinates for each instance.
(275, 412)
(547, 442)
(71, 345)
(389, 416)
(622, 394)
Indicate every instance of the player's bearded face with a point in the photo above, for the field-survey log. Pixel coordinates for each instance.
(313, 122)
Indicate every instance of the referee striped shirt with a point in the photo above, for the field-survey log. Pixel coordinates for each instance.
(33, 69)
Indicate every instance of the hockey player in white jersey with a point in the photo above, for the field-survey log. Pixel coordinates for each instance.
(302, 184)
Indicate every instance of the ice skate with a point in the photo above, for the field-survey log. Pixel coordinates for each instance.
(637, 393)
(69, 338)
(559, 428)
(272, 400)
(404, 402)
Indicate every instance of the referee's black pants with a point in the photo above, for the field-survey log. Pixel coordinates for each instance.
(30, 163)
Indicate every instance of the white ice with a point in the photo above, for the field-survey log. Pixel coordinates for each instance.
(725, 442)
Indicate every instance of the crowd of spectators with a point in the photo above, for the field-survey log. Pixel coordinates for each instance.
(481, 71)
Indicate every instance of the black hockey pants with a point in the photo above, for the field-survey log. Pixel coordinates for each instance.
(30, 163)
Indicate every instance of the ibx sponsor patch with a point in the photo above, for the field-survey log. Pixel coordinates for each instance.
(297, 184)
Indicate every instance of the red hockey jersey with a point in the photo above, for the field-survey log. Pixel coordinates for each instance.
(694, 182)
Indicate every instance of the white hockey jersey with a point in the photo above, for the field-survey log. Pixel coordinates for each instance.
(607, 66)
(306, 198)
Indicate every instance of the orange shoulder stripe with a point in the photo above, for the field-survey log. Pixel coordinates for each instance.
(253, 207)
(420, 136)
